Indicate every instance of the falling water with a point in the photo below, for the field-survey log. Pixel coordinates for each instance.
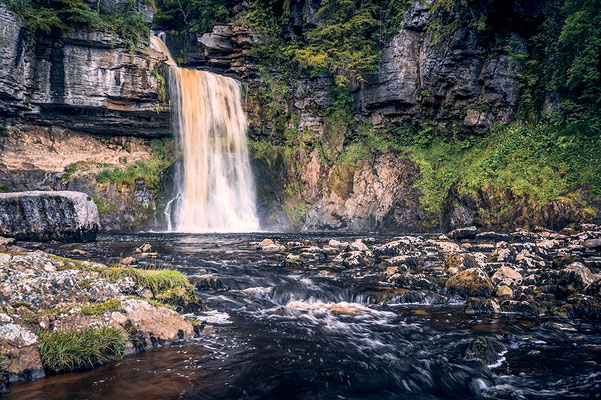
(214, 189)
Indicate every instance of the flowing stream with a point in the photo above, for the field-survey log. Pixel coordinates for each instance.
(214, 185)
(321, 331)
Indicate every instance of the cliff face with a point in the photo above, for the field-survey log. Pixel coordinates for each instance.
(80, 80)
(76, 104)
(66, 88)
(461, 80)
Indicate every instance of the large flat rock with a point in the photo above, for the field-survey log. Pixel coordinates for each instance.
(62, 215)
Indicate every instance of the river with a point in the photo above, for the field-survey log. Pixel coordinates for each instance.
(317, 331)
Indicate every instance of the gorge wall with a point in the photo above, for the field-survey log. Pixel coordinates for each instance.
(84, 111)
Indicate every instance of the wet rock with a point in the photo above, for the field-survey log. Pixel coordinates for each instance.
(207, 281)
(395, 248)
(145, 248)
(586, 307)
(504, 291)
(269, 246)
(594, 289)
(471, 282)
(358, 245)
(463, 233)
(475, 305)
(458, 262)
(504, 252)
(520, 307)
(484, 349)
(294, 261)
(354, 259)
(6, 241)
(507, 276)
(41, 216)
(128, 261)
(338, 245)
(18, 346)
(445, 247)
(151, 325)
(408, 261)
(493, 236)
(594, 244)
(575, 277)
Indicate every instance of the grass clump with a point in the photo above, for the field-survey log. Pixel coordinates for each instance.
(70, 350)
(101, 308)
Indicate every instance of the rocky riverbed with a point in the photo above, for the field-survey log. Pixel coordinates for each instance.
(60, 314)
(465, 315)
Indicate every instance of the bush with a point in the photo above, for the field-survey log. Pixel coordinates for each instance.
(70, 350)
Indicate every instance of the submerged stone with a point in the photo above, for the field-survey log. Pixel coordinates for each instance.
(485, 349)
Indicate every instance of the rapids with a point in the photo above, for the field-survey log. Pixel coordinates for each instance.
(314, 332)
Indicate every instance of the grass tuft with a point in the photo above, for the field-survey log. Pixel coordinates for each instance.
(70, 350)
(101, 308)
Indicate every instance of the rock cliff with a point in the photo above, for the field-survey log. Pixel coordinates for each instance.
(81, 80)
(82, 83)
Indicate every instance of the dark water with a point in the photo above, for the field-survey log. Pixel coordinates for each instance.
(312, 333)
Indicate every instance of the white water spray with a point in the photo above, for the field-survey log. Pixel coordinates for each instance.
(214, 190)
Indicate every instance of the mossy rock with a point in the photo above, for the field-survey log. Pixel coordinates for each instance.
(341, 181)
(472, 282)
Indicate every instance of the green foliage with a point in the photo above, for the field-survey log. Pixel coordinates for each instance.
(46, 16)
(537, 163)
(150, 171)
(156, 280)
(191, 15)
(70, 350)
(103, 206)
(4, 132)
(4, 187)
(346, 43)
(70, 170)
(109, 305)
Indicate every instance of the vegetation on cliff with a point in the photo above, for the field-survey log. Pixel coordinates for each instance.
(44, 17)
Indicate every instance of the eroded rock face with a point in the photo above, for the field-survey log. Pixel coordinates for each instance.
(480, 84)
(82, 80)
(62, 216)
(379, 197)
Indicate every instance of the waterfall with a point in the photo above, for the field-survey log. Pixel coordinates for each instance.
(214, 190)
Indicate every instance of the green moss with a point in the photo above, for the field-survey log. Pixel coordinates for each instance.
(4, 132)
(103, 206)
(70, 350)
(101, 308)
(4, 188)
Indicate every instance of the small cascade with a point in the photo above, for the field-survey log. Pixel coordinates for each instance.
(214, 189)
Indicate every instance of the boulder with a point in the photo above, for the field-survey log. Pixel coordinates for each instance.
(18, 346)
(463, 233)
(269, 246)
(573, 278)
(507, 276)
(471, 282)
(40, 216)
